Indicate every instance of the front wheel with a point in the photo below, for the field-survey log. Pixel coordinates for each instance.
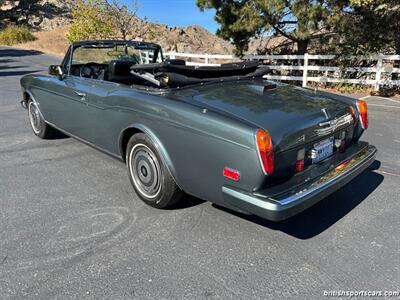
(39, 127)
(148, 174)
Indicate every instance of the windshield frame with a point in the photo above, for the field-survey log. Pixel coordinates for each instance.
(112, 44)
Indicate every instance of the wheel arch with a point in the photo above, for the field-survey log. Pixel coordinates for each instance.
(126, 134)
(26, 96)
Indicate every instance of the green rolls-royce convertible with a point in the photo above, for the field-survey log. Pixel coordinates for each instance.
(219, 133)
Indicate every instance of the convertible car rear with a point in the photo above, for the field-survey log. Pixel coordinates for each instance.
(223, 134)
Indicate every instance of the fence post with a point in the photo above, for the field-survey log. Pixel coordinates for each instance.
(378, 71)
(305, 69)
(206, 59)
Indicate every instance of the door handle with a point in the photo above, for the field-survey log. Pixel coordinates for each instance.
(81, 95)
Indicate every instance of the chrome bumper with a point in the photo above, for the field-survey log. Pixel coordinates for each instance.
(278, 205)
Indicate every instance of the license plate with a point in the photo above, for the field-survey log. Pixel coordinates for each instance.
(322, 150)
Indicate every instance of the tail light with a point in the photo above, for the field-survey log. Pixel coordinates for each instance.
(363, 110)
(265, 151)
(353, 114)
(299, 166)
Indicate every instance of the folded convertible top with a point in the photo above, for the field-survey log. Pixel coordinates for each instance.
(174, 73)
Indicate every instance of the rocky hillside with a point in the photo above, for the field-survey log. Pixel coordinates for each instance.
(55, 13)
(56, 16)
(191, 39)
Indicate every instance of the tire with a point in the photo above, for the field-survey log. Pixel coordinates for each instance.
(148, 174)
(39, 127)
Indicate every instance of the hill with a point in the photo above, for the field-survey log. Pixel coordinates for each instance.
(55, 15)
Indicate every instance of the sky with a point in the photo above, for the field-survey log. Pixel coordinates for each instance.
(176, 13)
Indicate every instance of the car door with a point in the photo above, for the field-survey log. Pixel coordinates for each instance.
(49, 92)
(68, 106)
(91, 107)
(61, 101)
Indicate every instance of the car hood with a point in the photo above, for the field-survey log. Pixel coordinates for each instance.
(290, 114)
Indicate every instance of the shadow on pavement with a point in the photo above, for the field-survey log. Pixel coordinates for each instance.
(17, 73)
(328, 211)
(6, 60)
(18, 52)
(7, 67)
(186, 202)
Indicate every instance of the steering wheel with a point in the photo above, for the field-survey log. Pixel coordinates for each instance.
(88, 70)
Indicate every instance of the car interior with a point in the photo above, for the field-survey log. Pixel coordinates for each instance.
(146, 66)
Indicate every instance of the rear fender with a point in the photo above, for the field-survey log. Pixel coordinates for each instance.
(157, 143)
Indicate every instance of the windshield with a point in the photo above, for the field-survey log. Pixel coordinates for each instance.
(106, 53)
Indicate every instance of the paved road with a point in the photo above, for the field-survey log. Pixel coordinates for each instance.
(71, 226)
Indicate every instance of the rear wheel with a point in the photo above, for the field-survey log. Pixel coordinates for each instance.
(39, 127)
(148, 174)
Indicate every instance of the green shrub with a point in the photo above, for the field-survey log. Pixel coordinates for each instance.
(16, 35)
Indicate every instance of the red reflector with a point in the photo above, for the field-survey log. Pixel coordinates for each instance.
(231, 174)
(342, 165)
(299, 166)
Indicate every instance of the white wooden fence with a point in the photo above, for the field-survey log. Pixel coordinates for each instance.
(378, 76)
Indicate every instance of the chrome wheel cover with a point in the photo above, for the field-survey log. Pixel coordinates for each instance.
(145, 171)
(34, 117)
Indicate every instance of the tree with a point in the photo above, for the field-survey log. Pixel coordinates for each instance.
(374, 27)
(300, 21)
(105, 19)
(123, 17)
(377, 23)
(90, 20)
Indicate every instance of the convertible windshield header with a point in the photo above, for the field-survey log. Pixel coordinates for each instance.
(102, 46)
(112, 43)
(105, 52)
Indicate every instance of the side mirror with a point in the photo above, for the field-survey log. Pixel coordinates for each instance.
(56, 71)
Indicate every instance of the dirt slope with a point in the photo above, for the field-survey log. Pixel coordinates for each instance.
(54, 19)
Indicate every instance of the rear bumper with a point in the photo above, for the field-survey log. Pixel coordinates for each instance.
(276, 205)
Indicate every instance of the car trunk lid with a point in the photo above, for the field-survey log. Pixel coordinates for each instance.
(293, 116)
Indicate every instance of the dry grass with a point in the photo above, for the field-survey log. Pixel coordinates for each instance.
(52, 42)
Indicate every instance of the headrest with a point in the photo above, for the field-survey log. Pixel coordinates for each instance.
(120, 67)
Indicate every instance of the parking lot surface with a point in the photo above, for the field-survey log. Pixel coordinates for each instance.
(72, 227)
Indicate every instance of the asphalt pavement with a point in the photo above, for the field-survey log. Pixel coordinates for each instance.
(72, 227)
